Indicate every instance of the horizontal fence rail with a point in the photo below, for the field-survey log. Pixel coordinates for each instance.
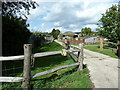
(110, 42)
(11, 58)
(11, 79)
(53, 70)
(19, 79)
(46, 54)
(21, 57)
(111, 48)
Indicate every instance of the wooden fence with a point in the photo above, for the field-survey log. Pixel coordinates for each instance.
(116, 44)
(102, 45)
(28, 58)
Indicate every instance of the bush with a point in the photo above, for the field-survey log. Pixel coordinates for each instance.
(14, 35)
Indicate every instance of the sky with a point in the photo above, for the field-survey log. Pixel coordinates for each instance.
(67, 16)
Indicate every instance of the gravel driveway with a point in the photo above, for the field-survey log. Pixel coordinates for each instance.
(103, 69)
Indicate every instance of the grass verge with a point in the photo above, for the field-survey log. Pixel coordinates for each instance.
(88, 44)
(105, 51)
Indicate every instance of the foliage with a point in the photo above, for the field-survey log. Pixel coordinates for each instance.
(14, 35)
(86, 32)
(109, 24)
(13, 9)
(14, 27)
(55, 33)
(94, 33)
(43, 33)
(37, 40)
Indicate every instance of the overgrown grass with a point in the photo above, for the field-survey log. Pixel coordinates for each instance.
(105, 51)
(64, 78)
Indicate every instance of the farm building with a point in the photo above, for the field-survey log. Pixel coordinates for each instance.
(91, 40)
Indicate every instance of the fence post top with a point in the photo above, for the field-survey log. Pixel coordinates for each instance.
(81, 45)
(27, 45)
(118, 42)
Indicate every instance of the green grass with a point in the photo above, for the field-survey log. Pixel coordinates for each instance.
(88, 44)
(75, 44)
(110, 45)
(93, 43)
(108, 52)
(49, 47)
(64, 78)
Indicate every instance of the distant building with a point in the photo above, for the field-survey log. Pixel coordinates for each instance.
(91, 40)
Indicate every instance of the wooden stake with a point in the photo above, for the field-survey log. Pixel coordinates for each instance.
(118, 48)
(101, 44)
(27, 66)
(80, 57)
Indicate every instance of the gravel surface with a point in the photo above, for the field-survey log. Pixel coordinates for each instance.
(103, 69)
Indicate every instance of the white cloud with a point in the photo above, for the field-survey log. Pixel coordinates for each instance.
(71, 15)
(72, 26)
(57, 24)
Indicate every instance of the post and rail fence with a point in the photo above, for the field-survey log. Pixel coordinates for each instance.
(28, 58)
(116, 44)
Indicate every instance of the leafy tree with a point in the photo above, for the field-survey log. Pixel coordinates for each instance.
(86, 32)
(14, 27)
(13, 9)
(55, 33)
(15, 34)
(94, 33)
(109, 24)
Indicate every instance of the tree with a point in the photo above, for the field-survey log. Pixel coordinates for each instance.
(14, 27)
(86, 32)
(13, 9)
(109, 24)
(55, 33)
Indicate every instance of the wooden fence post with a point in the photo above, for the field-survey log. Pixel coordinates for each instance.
(101, 44)
(118, 48)
(27, 66)
(80, 57)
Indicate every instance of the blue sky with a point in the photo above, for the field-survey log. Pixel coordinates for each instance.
(67, 16)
